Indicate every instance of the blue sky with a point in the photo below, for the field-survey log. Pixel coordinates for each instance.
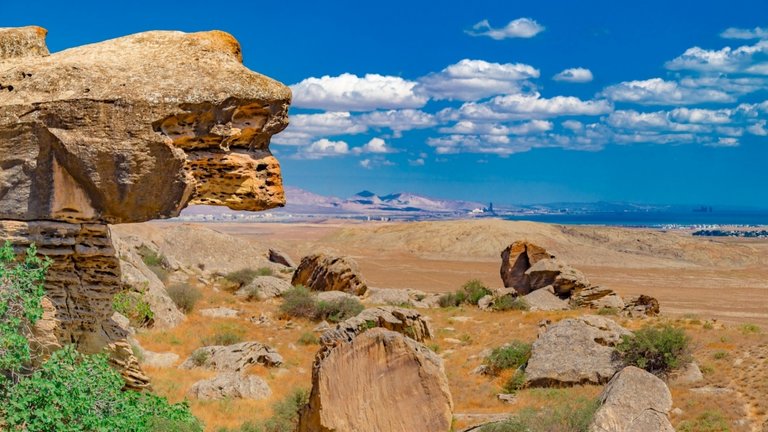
(510, 101)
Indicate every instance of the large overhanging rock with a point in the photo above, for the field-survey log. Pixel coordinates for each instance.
(126, 130)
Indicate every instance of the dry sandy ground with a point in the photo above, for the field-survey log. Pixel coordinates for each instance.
(722, 278)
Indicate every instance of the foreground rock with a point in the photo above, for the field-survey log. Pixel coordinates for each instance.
(407, 322)
(321, 272)
(126, 130)
(233, 358)
(634, 401)
(575, 351)
(379, 381)
(230, 385)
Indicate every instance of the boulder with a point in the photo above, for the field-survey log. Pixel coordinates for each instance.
(688, 374)
(552, 272)
(333, 296)
(633, 401)
(159, 360)
(321, 272)
(378, 381)
(219, 312)
(596, 297)
(400, 297)
(575, 351)
(641, 306)
(233, 358)
(280, 257)
(230, 385)
(545, 299)
(516, 259)
(408, 322)
(264, 287)
(17, 43)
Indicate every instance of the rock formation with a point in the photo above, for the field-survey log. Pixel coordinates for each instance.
(230, 385)
(408, 322)
(321, 272)
(126, 130)
(264, 287)
(575, 351)
(516, 259)
(633, 401)
(233, 358)
(280, 257)
(378, 381)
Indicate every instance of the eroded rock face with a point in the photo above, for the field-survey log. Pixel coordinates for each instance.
(516, 259)
(408, 322)
(230, 385)
(379, 381)
(321, 272)
(575, 351)
(634, 401)
(126, 130)
(233, 358)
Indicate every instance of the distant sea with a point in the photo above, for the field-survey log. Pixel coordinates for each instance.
(652, 219)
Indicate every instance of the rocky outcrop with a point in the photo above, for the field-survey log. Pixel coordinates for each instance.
(545, 299)
(280, 257)
(641, 306)
(233, 358)
(399, 297)
(633, 401)
(126, 130)
(575, 351)
(596, 297)
(230, 385)
(563, 278)
(378, 381)
(408, 322)
(320, 272)
(516, 259)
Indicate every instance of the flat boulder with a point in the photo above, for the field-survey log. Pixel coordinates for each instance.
(233, 358)
(320, 272)
(516, 259)
(563, 278)
(230, 385)
(264, 287)
(596, 297)
(575, 351)
(633, 401)
(544, 299)
(378, 381)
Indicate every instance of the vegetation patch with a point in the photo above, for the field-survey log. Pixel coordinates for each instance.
(240, 278)
(470, 293)
(225, 334)
(155, 261)
(657, 350)
(573, 415)
(309, 339)
(608, 311)
(508, 302)
(285, 415)
(299, 302)
(515, 383)
(185, 296)
(133, 306)
(708, 421)
(512, 356)
(750, 329)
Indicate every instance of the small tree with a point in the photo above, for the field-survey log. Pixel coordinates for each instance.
(657, 350)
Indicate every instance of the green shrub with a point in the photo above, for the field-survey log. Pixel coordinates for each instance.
(337, 310)
(199, 357)
(475, 290)
(573, 415)
(750, 329)
(245, 276)
(515, 383)
(285, 415)
(511, 356)
(719, 355)
(184, 296)
(75, 392)
(134, 307)
(309, 339)
(225, 334)
(452, 299)
(154, 261)
(657, 350)
(298, 302)
(708, 421)
(508, 302)
(252, 293)
(608, 311)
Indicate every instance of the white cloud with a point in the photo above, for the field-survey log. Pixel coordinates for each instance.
(304, 128)
(573, 125)
(519, 28)
(417, 162)
(514, 107)
(398, 120)
(742, 33)
(366, 163)
(723, 60)
(758, 128)
(698, 115)
(324, 147)
(657, 91)
(370, 163)
(476, 79)
(758, 69)
(724, 142)
(574, 75)
(375, 145)
(348, 92)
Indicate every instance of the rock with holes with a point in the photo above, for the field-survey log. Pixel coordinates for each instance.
(633, 401)
(230, 385)
(516, 259)
(408, 322)
(320, 272)
(575, 351)
(378, 381)
(233, 358)
(641, 306)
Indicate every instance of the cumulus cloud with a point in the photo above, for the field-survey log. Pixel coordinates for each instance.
(699, 115)
(659, 120)
(304, 128)
(742, 33)
(417, 162)
(723, 60)
(519, 28)
(573, 125)
(370, 163)
(470, 80)
(525, 106)
(375, 145)
(656, 91)
(758, 128)
(348, 92)
(324, 148)
(574, 75)
(398, 120)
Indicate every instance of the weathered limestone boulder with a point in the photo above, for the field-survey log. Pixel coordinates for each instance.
(230, 385)
(563, 278)
(264, 287)
(575, 351)
(641, 306)
(408, 322)
(378, 381)
(596, 297)
(334, 296)
(545, 299)
(233, 358)
(633, 401)
(320, 272)
(126, 130)
(399, 297)
(516, 259)
(219, 312)
(280, 257)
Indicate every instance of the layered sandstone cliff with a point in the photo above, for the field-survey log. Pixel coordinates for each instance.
(126, 130)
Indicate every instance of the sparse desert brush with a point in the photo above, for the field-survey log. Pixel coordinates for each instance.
(252, 293)
(511, 356)
(225, 334)
(508, 302)
(300, 303)
(308, 339)
(708, 421)
(657, 350)
(452, 299)
(133, 306)
(749, 329)
(285, 415)
(245, 276)
(338, 310)
(515, 383)
(608, 311)
(573, 415)
(184, 295)
(470, 293)
(199, 357)
(155, 261)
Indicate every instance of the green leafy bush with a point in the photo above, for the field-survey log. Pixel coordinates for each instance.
(337, 310)
(511, 356)
(470, 293)
(245, 276)
(574, 415)
(508, 302)
(515, 383)
(452, 299)
(75, 392)
(285, 415)
(155, 261)
(657, 350)
(300, 303)
(708, 421)
(134, 307)
(185, 296)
